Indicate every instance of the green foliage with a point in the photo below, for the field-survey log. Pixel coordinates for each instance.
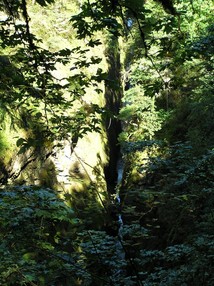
(140, 117)
(173, 201)
(94, 17)
(104, 260)
(168, 182)
(167, 191)
(193, 117)
(40, 102)
(44, 242)
(33, 236)
(180, 264)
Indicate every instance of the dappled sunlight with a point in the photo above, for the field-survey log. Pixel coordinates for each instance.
(75, 167)
(106, 143)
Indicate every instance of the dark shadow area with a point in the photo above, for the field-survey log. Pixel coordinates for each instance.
(89, 199)
(166, 213)
(113, 94)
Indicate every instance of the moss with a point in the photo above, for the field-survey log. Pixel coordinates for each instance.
(7, 144)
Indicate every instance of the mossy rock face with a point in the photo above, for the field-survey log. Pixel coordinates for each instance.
(60, 168)
(39, 172)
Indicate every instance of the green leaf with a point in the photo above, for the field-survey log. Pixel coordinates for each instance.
(20, 142)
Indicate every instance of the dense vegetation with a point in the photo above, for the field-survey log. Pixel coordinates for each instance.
(154, 68)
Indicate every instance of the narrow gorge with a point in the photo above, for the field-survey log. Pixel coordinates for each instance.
(106, 143)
